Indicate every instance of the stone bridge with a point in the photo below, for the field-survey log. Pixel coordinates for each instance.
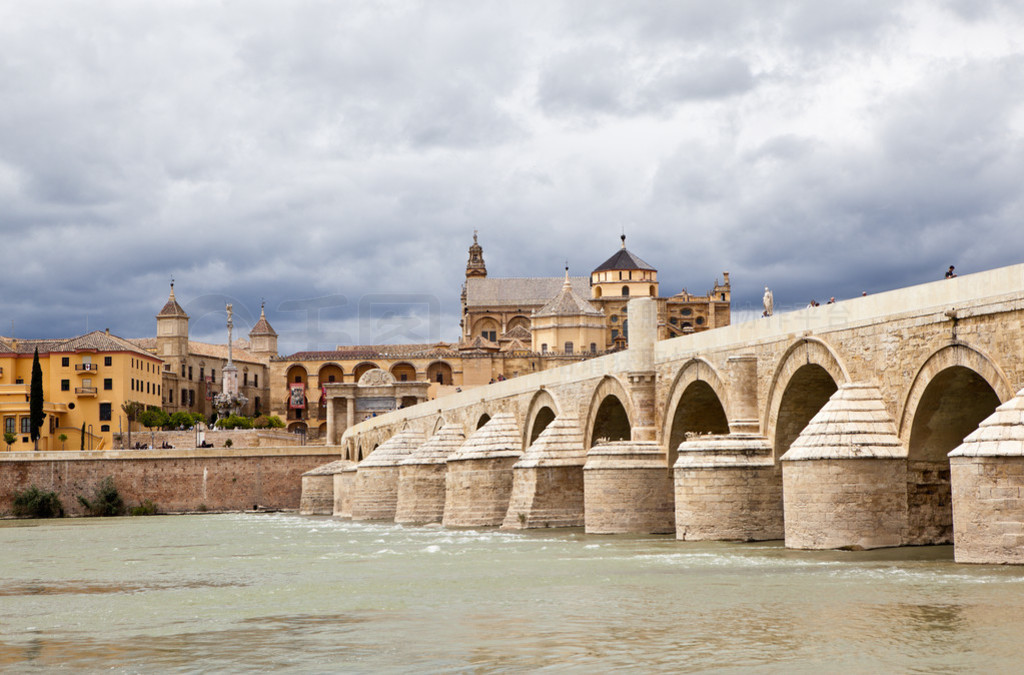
(829, 426)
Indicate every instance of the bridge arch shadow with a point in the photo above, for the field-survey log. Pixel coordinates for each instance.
(696, 404)
(808, 373)
(609, 414)
(539, 414)
(955, 389)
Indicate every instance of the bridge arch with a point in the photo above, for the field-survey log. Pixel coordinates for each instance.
(539, 414)
(806, 376)
(955, 389)
(438, 423)
(482, 420)
(696, 403)
(610, 413)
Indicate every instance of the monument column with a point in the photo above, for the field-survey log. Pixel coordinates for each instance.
(350, 419)
(330, 420)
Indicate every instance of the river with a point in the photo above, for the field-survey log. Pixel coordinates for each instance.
(281, 592)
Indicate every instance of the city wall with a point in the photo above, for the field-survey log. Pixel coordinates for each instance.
(179, 480)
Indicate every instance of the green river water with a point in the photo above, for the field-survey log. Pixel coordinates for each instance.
(281, 592)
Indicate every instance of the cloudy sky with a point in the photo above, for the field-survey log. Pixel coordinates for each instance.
(334, 158)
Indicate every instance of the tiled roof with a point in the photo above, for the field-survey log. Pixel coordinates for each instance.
(480, 343)
(517, 333)
(172, 308)
(526, 292)
(568, 303)
(262, 326)
(98, 340)
(238, 349)
(516, 345)
(370, 352)
(624, 260)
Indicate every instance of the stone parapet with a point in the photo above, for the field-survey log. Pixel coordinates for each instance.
(728, 488)
(627, 488)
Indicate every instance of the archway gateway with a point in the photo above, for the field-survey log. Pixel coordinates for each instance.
(953, 404)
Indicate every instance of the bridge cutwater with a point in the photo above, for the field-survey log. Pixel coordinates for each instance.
(892, 419)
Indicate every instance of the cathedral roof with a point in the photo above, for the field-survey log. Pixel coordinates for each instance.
(262, 326)
(172, 308)
(624, 259)
(525, 292)
(568, 303)
(517, 333)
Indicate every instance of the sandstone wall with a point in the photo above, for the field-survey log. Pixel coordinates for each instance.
(317, 496)
(988, 509)
(175, 480)
(545, 497)
(421, 489)
(376, 493)
(477, 492)
(848, 503)
(729, 504)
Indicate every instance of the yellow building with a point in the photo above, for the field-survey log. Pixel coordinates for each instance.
(86, 379)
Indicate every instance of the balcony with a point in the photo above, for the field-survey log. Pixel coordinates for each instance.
(82, 368)
(85, 391)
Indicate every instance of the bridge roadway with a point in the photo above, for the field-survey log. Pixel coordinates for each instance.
(932, 361)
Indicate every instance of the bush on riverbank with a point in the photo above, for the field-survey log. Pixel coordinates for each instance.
(105, 502)
(146, 508)
(35, 503)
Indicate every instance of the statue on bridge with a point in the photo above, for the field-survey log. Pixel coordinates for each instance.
(769, 302)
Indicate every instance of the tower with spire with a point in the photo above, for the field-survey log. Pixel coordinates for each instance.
(475, 267)
(262, 337)
(172, 332)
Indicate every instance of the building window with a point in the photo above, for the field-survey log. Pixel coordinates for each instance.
(190, 372)
(104, 412)
(202, 373)
(108, 384)
(183, 370)
(686, 311)
(26, 425)
(245, 379)
(700, 321)
(255, 380)
(615, 333)
(330, 378)
(191, 398)
(8, 425)
(544, 348)
(405, 376)
(65, 361)
(184, 396)
(614, 318)
(568, 348)
(674, 321)
(213, 374)
(133, 384)
(625, 290)
(105, 427)
(65, 385)
(298, 379)
(108, 360)
(257, 404)
(593, 347)
(170, 396)
(147, 388)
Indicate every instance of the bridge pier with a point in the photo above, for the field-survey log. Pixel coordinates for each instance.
(727, 488)
(344, 487)
(478, 484)
(547, 483)
(845, 476)
(627, 488)
(987, 474)
(421, 477)
(376, 485)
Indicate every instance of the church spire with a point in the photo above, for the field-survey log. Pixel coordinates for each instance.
(476, 267)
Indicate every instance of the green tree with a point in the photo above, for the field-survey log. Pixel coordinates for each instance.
(35, 404)
(131, 410)
(151, 418)
(9, 439)
(63, 439)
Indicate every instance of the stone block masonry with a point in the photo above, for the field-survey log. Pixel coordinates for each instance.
(177, 481)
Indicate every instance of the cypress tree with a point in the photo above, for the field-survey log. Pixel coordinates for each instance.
(83, 436)
(35, 404)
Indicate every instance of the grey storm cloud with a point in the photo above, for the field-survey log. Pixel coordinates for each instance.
(333, 160)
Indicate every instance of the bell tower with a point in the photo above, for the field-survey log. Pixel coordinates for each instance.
(172, 331)
(476, 267)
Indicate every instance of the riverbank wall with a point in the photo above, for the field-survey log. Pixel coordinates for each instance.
(198, 479)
